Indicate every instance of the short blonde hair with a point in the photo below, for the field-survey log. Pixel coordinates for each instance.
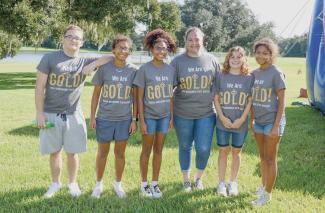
(193, 29)
(270, 45)
(72, 27)
(244, 70)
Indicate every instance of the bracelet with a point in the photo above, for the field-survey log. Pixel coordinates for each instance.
(134, 119)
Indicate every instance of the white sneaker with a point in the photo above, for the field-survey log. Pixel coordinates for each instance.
(146, 192)
(187, 186)
(222, 189)
(156, 193)
(198, 184)
(262, 200)
(53, 188)
(233, 188)
(119, 191)
(74, 190)
(98, 190)
(260, 190)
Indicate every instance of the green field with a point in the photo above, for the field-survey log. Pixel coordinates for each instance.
(25, 175)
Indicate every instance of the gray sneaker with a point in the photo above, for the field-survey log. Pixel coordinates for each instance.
(262, 200)
(146, 191)
(187, 186)
(156, 193)
(198, 184)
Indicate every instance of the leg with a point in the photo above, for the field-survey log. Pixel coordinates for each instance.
(102, 152)
(119, 151)
(222, 162)
(147, 142)
(184, 131)
(203, 133)
(235, 164)
(56, 166)
(272, 146)
(260, 141)
(73, 165)
(224, 149)
(238, 140)
(157, 155)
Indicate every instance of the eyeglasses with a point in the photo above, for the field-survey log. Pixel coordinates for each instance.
(71, 37)
(123, 49)
(161, 49)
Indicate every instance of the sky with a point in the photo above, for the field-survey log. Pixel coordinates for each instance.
(290, 17)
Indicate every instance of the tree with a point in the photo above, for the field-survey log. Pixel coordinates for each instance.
(294, 47)
(169, 18)
(30, 21)
(225, 23)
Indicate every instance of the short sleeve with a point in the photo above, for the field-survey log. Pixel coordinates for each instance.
(98, 78)
(139, 79)
(44, 65)
(251, 84)
(279, 82)
(217, 82)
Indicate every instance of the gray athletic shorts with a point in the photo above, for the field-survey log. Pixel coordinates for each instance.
(69, 132)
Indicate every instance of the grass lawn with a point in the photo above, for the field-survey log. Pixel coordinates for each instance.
(25, 175)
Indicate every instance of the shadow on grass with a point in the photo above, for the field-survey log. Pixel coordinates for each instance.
(134, 140)
(17, 80)
(21, 80)
(301, 153)
(174, 200)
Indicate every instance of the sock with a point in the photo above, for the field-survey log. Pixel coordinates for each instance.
(144, 184)
(154, 183)
(198, 174)
(118, 184)
(98, 183)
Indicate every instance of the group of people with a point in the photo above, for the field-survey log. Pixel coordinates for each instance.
(192, 94)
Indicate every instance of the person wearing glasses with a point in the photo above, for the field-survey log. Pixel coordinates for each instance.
(115, 119)
(155, 82)
(59, 84)
(194, 117)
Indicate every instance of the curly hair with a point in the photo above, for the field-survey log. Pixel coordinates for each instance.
(159, 35)
(269, 45)
(244, 70)
(119, 38)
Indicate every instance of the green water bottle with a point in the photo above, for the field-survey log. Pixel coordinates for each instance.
(47, 125)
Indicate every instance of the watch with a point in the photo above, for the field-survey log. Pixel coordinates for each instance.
(134, 119)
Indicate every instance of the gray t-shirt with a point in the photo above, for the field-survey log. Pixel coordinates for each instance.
(195, 91)
(233, 91)
(116, 96)
(265, 102)
(65, 81)
(158, 83)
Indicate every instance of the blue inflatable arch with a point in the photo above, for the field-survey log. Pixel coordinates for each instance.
(315, 58)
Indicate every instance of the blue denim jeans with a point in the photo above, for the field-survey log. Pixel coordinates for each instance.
(266, 129)
(237, 138)
(198, 132)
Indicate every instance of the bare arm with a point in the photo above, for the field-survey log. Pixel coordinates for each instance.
(41, 80)
(143, 126)
(171, 121)
(238, 122)
(87, 70)
(225, 121)
(280, 112)
(94, 104)
(133, 126)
